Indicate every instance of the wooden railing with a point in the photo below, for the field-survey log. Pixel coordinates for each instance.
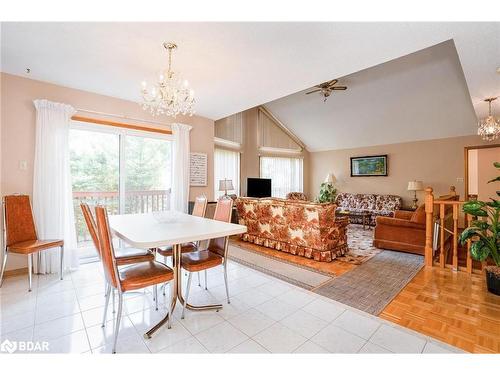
(439, 211)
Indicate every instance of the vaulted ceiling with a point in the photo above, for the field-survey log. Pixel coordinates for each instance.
(416, 97)
(236, 66)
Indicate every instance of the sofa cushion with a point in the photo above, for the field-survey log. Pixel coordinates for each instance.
(365, 201)
(419, 215)
(388, 202)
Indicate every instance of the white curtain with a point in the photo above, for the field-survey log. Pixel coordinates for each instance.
(286, 174)
(180, 170)
(52, 196)
(226, 166)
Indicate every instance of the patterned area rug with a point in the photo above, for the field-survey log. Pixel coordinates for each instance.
(360, 244)
(372, 285)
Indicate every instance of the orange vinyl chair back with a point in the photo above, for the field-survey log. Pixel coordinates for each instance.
(19, 222)
(224, 210)
(106, 246)
(200, 206)
(91, 225)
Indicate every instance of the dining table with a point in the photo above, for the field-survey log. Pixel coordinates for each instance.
(170, 228)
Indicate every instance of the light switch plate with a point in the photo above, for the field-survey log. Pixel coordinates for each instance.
(460, 179)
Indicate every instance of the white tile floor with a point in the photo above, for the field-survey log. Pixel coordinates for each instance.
(265, 315)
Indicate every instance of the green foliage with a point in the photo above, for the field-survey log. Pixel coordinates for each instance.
(486, 232)
(327, 193)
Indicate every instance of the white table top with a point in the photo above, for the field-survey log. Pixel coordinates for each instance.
(156, 230)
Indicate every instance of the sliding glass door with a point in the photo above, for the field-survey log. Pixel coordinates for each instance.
(126, 171)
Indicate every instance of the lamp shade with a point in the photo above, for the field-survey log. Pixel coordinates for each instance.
(225, 185)
(415, 185)
(330, 178)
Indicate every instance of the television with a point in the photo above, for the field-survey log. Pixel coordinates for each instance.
(258, 187)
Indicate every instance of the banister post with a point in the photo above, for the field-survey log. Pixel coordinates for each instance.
(429, 225)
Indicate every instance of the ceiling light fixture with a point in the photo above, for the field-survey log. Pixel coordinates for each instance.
(170, 95)
(489, 127)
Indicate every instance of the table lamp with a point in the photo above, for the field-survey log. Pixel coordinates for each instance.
(225, 185)
(415, 186)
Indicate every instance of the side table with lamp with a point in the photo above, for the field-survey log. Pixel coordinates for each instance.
(415, 186)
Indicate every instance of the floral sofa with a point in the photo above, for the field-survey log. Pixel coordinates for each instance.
(297, 227)
(378, 205)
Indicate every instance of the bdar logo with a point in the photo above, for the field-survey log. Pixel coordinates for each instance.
(8, 346)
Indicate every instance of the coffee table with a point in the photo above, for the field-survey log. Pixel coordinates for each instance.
(364, 215)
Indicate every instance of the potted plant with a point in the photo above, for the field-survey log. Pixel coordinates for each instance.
(485, 233)
(327, 193)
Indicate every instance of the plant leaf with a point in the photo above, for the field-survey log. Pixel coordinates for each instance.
(479, 251)
(483, 225)
(497, 164)
(468, 233)
(495, 179)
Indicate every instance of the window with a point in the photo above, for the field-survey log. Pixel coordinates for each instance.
(226, 166)
(126, 171)
(286, 174)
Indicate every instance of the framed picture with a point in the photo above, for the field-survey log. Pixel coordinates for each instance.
(369, 166)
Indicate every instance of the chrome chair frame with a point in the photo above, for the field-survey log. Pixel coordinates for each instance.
(224, 265)
(111, 289)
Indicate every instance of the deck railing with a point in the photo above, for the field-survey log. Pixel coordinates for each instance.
(139, 201)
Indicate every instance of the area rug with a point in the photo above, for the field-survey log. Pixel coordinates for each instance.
(360, 245)
(372, 285)
(286, 271)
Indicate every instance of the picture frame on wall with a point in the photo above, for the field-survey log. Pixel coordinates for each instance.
(369, 166)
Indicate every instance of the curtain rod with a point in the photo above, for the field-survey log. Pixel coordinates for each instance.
(120, 116)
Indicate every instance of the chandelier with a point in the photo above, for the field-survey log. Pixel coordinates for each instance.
(489, 127)
(171, 95)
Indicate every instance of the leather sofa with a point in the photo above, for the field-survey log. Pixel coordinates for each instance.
(403, 232)
(376, 204)
(297, 227)
(406, 230)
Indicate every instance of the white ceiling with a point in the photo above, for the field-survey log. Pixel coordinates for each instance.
(236, 66)
(419, 96)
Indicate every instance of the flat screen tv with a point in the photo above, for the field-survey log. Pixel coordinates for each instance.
(259, 187)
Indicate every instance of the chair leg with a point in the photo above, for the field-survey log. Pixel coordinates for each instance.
(199, 282)
(4, 264)
(155, 291)
(105, 289)
(30, 271)
(108, 294)
(118, 318)
(206, 280)
(187, 294)
(61, 267)
(225, 281)
(169, 302)
(113, 299)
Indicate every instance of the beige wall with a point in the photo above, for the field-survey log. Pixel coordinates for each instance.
(18, 130)
(486, 171)
(438, 163)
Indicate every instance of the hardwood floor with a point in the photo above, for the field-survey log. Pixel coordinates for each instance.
(453, 307)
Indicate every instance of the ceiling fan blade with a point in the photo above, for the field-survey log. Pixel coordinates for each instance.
(339, 88)
(310, 92)
(332, 82)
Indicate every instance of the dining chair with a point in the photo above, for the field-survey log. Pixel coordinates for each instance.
(128, 277)
(199, 209)
(123, 255)
(20, 235)
(214, 255)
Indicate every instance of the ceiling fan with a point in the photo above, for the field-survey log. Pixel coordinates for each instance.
(326, 88)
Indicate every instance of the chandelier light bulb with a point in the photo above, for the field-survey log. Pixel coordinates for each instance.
(171, 94)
